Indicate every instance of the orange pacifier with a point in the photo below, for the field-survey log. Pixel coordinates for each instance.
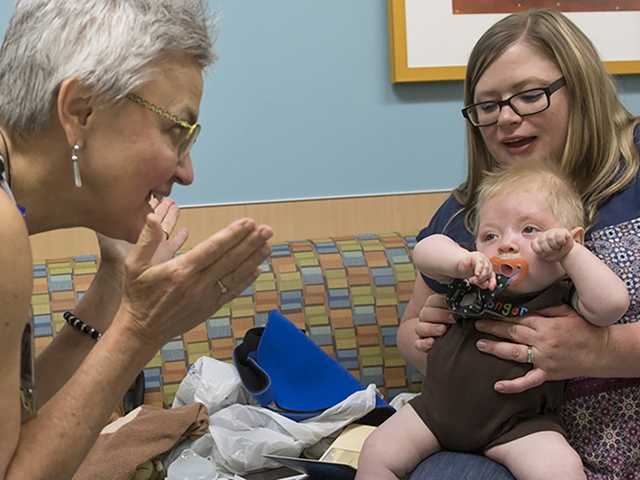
(514, 268)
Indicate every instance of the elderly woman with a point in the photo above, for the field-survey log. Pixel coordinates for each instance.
(98, 112)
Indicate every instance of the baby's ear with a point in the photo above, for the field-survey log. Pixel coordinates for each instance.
(578, 235)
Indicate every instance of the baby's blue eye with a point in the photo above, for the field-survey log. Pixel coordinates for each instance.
(530, 229)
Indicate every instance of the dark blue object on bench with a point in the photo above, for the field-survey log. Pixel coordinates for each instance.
(287, 372)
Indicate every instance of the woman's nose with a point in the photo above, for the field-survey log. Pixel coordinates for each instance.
(184, 170)
(508, 116)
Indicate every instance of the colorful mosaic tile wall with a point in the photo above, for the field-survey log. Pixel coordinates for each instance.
(347, 293)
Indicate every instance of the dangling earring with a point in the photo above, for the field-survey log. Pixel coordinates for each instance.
(76, 165)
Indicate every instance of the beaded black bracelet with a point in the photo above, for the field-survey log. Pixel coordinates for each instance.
(81, 326)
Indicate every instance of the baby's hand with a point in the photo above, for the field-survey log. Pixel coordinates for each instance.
(477, 268)
(553, 245)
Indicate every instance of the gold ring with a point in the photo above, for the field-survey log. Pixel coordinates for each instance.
(222, 287)
(166, 234)
(530, 354)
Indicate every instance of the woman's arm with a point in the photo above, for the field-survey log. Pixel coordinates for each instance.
(411, 344)
(55, 442)
(15, 296)
(98, 306)
(56, 364)
(159, 302)
(71, 422)
(425, 318)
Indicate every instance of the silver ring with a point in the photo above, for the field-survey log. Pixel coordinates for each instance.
(223, 288)
(530, 354)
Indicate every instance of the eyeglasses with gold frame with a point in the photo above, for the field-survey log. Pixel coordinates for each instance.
(193, 130)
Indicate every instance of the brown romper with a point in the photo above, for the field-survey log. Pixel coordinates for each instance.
(458, 402)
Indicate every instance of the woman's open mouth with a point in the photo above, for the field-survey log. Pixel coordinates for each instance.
(518, 145)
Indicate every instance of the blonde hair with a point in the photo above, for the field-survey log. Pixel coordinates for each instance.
(544, 177)
(599, 155)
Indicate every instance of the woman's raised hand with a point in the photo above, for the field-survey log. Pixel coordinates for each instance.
(162, 300)
(113, 252)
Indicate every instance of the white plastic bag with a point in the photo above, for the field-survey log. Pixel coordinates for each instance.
(239, 434)
(211, 382)
(242, 434)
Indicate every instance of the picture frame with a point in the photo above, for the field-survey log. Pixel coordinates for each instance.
(429, 42)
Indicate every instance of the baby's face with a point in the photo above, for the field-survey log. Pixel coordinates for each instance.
(508, 223)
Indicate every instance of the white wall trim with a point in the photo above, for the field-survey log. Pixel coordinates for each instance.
(310, 199)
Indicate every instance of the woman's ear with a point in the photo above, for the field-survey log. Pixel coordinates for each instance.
(578, 235)
(74, 108)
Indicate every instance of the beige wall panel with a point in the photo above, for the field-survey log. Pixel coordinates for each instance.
(298, 220)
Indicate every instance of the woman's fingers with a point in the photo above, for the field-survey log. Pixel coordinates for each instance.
(161, 209)
(428, 330)
(232, 290)
(236, 279)
(515, 330)
(515, 352)
(168, 248)
(433, 321)
(436, 305)
(170, 297)
(244, 257)
(145, 248)
(216, 247)
(533, 378)
(424, 344)
(169, 212)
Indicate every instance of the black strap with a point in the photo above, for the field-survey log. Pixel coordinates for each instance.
(253, 377)
(249, 344)
(135, 395)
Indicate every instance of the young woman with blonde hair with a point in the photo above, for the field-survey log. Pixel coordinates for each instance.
(536, 88)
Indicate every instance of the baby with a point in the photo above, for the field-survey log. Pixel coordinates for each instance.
(529, 230)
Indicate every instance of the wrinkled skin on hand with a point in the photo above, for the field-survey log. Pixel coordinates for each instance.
(162, 300)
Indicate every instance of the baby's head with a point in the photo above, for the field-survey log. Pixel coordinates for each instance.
(513, 206)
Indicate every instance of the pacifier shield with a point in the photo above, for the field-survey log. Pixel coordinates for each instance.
(514, 268)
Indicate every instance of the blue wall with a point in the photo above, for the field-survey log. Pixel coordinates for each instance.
(300, 105)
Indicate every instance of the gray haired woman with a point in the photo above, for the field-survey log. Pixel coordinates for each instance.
(98, 112)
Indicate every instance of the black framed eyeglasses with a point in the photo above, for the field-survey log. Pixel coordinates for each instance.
(528, 102)
(191, 131)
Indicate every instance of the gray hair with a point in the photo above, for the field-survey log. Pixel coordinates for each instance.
(109, 45)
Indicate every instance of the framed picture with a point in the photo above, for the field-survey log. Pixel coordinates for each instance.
(430, 40)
